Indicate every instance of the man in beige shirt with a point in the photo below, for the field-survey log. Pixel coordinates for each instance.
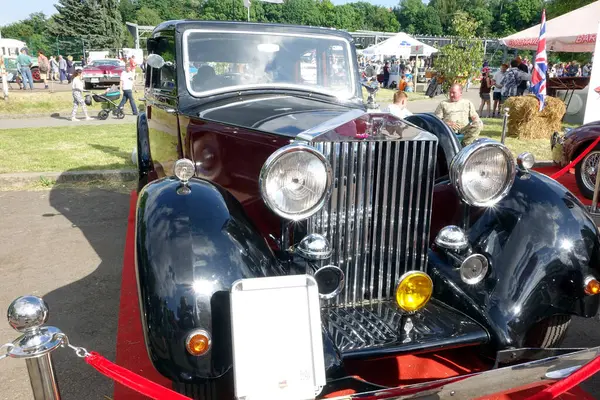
(460, 115)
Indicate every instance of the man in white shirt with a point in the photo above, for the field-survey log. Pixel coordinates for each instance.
(498, 89)
(126, 86)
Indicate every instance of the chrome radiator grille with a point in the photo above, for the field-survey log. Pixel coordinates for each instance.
(377, 218)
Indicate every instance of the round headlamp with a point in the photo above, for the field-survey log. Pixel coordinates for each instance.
(483, 172)
(413, 291)
(295, 181)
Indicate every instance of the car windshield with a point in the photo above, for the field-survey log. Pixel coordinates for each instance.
(113, 63)
(225, 61)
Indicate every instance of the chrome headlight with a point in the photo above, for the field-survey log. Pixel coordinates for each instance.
(295, 181)
(483, 172)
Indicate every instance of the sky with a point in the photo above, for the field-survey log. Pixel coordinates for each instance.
(13, 13)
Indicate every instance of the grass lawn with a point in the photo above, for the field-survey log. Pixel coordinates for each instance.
(66, 148)
(540, 148)
(386, 96)
(26, 102)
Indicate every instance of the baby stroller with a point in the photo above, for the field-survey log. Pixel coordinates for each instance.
(109, 97)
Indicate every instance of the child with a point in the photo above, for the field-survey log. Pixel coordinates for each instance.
(398, 108)
(77, 89)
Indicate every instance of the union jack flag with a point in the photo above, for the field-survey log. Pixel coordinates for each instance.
(538, 76)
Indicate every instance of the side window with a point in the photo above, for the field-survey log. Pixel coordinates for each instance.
(164, 79)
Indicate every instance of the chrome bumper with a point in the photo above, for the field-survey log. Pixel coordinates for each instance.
(545, 370)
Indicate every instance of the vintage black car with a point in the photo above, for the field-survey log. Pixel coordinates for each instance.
(257, 159)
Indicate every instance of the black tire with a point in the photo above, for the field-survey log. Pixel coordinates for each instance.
(88, 85)
(119, 113)
(548, 333)
(586, 191)
(102, 115)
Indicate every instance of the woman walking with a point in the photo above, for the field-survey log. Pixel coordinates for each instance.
(77, 88)
(484, 94)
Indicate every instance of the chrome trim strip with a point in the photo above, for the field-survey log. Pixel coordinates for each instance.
(375, 220)
(384, 245)
(429, 204)
(418, 205)
(393, 247)
(324, 127)
(487, 383)
(401, 212)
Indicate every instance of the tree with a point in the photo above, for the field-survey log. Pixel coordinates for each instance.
(147, 16)
(408, 15)
(89, 23)
(430, 22)
(462, 59)
(31, 31)
(555, 8)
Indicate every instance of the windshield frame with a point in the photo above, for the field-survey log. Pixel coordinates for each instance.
(273, 86)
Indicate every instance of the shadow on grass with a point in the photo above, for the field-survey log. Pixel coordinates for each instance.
(87, 309)
(114, 151)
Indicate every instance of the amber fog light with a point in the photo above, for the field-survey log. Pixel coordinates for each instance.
(413, 291)
(592, 286)
(198, 342)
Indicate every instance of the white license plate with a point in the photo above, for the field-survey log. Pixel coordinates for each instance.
(94, 80)
(277, 340)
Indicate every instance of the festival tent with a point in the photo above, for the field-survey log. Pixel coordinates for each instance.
(571, 32)
(400, 45)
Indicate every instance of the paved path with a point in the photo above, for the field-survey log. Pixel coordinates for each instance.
(60, 120)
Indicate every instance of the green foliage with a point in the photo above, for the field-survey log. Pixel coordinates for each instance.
(30, 31)
(555, 8)
(462, 59)
(96, 23)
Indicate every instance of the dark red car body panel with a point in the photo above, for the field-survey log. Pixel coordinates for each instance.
(577, 140)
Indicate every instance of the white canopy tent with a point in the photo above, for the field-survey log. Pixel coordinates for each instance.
(400, 45)
(571, 32)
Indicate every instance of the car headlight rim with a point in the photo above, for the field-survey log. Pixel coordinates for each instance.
(457, 167)
(407, 276)
(271, 161)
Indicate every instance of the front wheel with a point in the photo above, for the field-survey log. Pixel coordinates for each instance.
(548, 333)
(102, 115)
(585, 173)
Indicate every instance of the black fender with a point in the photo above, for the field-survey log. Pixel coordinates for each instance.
(144, 159)
(541, 244)
(447, 139)
(192, 243)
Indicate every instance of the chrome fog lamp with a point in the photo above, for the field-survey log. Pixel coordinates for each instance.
(525, 161)
(452, 237)
(330, 280)
(483, 172)
(184, 170)
(314, 247)
(473, 269)
(295, 181)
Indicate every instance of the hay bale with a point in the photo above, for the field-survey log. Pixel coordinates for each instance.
(526, 122)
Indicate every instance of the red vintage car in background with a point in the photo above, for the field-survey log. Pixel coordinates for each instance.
(105, 71)
(567, 146)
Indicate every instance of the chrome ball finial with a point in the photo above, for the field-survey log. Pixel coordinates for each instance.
(452, 237)
(314, 247)
(27, 313)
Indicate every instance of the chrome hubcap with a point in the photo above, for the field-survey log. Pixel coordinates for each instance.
(589, 169)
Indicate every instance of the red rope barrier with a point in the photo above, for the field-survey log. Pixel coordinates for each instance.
(158, 392)
(132, 380)
(576, 160)
(570, 382)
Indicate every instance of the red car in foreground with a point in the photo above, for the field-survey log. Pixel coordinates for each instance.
(105, 71)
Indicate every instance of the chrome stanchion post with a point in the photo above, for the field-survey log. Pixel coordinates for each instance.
(594, 207)
(27, 315)
(505, 120)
